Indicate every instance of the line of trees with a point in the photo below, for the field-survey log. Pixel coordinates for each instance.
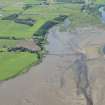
(86, 1)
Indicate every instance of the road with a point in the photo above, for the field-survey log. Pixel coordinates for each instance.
(53, 81)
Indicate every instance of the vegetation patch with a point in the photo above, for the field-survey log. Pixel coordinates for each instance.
(20, 49)
(29, 22)
(14, 17)
(27, 6)
(10, 38)
(12, 64)
(11, 17)
(42, 31)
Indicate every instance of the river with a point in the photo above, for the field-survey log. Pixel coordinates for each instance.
(53, 81)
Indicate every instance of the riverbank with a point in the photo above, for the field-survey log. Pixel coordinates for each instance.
(30, 51)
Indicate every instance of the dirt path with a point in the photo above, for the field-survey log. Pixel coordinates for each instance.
(52, 82)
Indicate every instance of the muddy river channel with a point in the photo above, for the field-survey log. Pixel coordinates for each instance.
(71, 73)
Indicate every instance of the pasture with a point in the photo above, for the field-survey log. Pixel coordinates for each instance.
(12, 64)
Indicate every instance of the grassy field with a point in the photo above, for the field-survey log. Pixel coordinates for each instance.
(12, 64)
(7, 43)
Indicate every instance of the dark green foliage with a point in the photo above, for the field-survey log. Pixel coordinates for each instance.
(10, 38)
(92, 9)
(71, 1)
(20, 49)
(49, 24)
(40, 34)
(29, 22)
(11, 17)
(27, 6)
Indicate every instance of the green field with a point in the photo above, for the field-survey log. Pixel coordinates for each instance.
(7, 43)
(12, 64)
